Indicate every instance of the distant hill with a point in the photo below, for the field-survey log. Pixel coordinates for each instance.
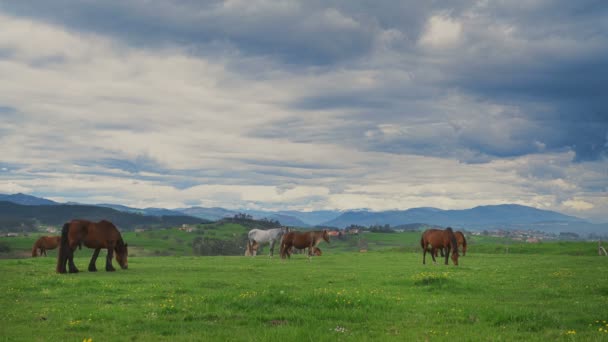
(24, 199)
(313, 218)
(215, 214)
(212, 214)
(145, 211)
(508, 216)
(13, 216)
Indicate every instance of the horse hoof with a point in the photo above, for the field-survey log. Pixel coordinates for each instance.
(92, 270)
(74, 271)
(110, 269)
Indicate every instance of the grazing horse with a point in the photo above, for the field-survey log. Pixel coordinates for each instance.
(461, 241)
(96, 235)
(301, 240)
(439, 239)
(43, 243)
(258, 236)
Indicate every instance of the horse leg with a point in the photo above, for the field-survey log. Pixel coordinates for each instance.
(254, 248)
(447, 254)
(433, 252)
(272, 247)
(92, 267)
(284, 250)
(310, 251)
(109, 266)
(424, 256)
(71, 264)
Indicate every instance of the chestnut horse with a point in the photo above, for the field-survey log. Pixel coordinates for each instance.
(96, 235)
(43, 243)
(301, 240)
(462, 242)
(439, 239)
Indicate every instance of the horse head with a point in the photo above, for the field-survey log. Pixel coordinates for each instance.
(455, 257)
(326, 236)
(122, 252)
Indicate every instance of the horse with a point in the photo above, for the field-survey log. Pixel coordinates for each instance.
(95, 235)
(302, 240)
(43, 243)
(258, 236)
(438, 239)
(462, 242)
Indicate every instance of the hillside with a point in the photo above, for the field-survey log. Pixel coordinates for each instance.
(22, 217)
(145, 211)
(508, 216)
(26, 199)
(220, 213)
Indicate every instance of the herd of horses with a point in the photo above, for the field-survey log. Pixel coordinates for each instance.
(290, 241)
(104, 235)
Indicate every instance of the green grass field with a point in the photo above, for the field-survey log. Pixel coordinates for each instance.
(550, 291)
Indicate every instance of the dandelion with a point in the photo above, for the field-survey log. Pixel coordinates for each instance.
(340, 329)
(571, 332)
(87, 339)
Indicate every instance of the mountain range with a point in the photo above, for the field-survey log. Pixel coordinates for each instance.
(506, 216)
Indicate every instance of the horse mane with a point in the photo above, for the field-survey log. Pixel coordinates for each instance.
(452, 238)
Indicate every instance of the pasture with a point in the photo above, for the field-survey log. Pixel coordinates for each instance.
(380, 295)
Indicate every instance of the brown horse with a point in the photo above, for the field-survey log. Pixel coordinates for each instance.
(43, 243)
(301, 240)
(96, 235)
(462, 242)
(438, 239)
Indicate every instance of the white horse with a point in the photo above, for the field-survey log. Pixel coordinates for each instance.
(258, 236)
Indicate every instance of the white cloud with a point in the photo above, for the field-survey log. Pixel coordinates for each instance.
(578, 205)
(12, 187)
(441, 32)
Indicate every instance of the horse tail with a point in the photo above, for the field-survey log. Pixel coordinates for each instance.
(464, 245)
(62, 255)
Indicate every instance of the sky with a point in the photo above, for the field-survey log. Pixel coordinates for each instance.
(307, 105)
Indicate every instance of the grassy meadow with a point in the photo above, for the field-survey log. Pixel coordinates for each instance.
(549, 291)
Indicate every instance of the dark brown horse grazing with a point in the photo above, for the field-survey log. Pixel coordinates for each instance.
(301, 240)
(96, 235)
(461, 241)
(438, 239)
(43, 243)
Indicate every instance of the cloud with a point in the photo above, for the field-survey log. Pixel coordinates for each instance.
(440, 32)
(578, 205)
(296, 105)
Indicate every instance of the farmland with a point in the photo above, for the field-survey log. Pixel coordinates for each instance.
(550, 291)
